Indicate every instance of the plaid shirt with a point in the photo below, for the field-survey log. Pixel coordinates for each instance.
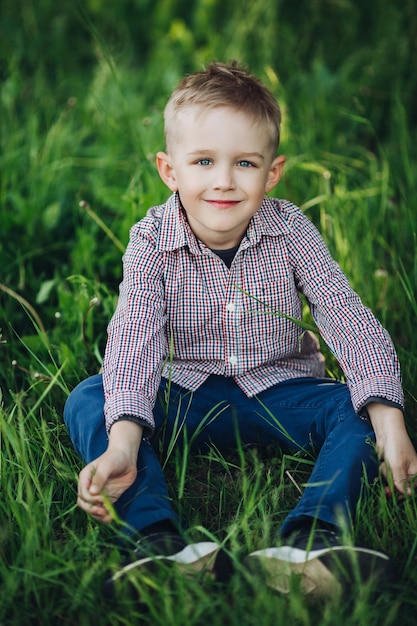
(183, 314)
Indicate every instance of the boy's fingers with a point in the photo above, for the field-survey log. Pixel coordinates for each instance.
(406, 481)
(396, 481)
(98, 478)
(403, 483)
(90, 485)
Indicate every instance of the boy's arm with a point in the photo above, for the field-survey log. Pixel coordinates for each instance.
(399, 458)
(107, 477)
(363, 348)
(136, 347)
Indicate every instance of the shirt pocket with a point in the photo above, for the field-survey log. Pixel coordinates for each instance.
(268, 307)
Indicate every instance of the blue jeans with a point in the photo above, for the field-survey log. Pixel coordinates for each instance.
(303, 414)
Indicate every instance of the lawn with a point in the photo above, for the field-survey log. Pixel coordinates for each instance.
(82, 91)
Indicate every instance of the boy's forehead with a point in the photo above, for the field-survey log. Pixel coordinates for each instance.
(195, 123)
(198, 113)
(198, 118)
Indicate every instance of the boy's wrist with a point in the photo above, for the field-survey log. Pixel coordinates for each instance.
(126, 434)
(385, 419)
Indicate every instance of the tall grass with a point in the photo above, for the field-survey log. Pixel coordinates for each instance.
(83, 87)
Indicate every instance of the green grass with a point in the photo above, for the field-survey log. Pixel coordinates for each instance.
(82, 91)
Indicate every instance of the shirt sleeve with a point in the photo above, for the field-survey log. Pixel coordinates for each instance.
(362, 346)
(136, 346)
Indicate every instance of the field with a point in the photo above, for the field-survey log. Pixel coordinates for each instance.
(82, 90)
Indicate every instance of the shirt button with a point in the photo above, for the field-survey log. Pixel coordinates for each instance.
(231, 307)
(233, 359)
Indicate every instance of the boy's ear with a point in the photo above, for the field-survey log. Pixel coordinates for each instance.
(275, 172)
(166, 170)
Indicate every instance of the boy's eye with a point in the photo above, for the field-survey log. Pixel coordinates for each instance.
(245, 164)
(204, 162)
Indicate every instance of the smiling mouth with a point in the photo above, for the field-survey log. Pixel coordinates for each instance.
(223, 204)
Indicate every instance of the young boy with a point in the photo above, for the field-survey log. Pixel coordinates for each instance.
(194, 351)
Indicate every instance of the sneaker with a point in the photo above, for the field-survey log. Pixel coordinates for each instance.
(170, 549)
(319, 564)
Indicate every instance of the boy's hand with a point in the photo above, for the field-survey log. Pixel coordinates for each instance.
(108, 476)
(398, 456)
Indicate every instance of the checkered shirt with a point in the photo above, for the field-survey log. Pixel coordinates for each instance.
(183, 314)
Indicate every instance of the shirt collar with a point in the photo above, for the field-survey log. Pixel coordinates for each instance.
(176, 233)
(268, 221)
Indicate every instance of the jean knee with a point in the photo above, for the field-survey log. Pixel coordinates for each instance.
(84, 418)
(87, 396)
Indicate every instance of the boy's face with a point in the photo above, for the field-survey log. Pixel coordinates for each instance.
(221, 163)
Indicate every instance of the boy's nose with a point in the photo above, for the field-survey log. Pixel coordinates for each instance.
(223, 178)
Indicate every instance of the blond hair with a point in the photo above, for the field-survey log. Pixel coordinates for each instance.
(226, 85)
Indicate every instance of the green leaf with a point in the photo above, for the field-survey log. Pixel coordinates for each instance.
(271, 311)
(45, 290)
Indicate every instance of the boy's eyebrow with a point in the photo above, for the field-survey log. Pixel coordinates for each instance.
(240, 155)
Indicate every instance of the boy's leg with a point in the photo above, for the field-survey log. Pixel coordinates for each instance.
(146, 502)
(145, 507)
(300, 414)
(303, 414)
(326, 425)
(312, 415)
(315, 552)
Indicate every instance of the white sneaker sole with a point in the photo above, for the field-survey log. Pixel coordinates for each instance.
(196, 557)
(319, 572)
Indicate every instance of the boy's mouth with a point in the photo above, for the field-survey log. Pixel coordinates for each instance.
(223, 204)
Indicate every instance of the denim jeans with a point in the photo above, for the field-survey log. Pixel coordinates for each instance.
(302, 414)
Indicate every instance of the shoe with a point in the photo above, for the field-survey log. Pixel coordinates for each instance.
(319, 565)
(170, 549)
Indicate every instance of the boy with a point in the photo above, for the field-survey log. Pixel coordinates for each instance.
(191, 347)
